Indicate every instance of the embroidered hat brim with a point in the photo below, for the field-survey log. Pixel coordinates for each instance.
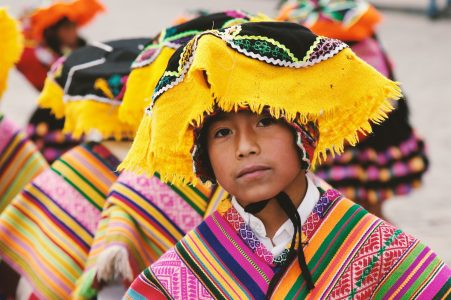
(281, 67)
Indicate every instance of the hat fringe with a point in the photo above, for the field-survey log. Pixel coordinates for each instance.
(140, 85)
(85, 116)
(52, 97)
(139, 154)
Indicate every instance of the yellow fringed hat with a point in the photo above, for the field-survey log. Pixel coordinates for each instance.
(149, 66)
(281, 67)
(87, 88)
(11, 45)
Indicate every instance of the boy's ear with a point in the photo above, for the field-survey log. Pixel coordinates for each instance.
(304, 165)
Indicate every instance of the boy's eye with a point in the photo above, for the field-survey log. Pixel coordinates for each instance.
(222, 132)
(266, 121)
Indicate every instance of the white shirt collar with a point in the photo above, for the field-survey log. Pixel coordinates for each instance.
(285, 233)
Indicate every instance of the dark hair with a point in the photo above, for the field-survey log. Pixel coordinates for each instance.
(200, 156)
(51, 36)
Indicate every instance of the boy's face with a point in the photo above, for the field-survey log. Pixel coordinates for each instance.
(253, 157)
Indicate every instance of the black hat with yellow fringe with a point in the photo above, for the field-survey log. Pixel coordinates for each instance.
(152, 61)
(11, 44)
(87, 88)
(281, 67)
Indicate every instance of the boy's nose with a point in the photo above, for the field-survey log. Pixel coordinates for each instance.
(247, 144)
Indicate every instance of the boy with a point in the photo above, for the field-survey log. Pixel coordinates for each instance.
(252, 107)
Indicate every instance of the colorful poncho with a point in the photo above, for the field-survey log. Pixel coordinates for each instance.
(143, 218)
(351, 254)
(20, 161)
(47, 230)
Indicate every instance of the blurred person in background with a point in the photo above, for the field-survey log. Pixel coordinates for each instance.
(47, 230)
(52, 31)
(392, 160)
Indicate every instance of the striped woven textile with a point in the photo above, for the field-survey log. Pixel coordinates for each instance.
(143, 218)
(20, 161)
(47, 230)
(351, 254)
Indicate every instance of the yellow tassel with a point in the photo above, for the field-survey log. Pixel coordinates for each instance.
(342, 102)
(102, 84)
(52, 97)
(140, 85)
(12, 45)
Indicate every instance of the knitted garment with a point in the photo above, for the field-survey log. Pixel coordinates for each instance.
(142, 219)
(20, 161)
(47, 230)
(351, 254)
(275, 66)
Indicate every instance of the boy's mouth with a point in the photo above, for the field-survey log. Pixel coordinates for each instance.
(252, 171)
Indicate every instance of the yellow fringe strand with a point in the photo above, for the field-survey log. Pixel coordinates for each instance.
(52, 97)
(12, 45)
(342, 94)
(140, 85)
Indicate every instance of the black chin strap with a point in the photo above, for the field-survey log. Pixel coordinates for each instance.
(288, 207)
